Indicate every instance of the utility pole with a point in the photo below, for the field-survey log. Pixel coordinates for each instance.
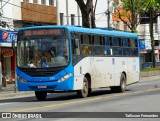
(57, 5)
(67, 14)
(108, 13)
(78, 13)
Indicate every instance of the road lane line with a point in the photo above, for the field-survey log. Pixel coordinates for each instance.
(4, 104)
(86, 100)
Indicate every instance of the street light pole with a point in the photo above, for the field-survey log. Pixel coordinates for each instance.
(108, 12)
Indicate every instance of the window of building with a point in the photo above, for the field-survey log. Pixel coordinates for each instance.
(35, 1)
(125, 27)
(156, 42)
(117, 25)
(43, 2)
(61, 18)
(72, 19)
(51, 2)
(26, 1)
(144, 17)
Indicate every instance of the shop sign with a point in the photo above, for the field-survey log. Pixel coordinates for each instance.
(5, 35)
(143, 51)
(8, 52)
(8, 36)
(142, 44)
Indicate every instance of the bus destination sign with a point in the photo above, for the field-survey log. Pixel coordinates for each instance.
(42, 32)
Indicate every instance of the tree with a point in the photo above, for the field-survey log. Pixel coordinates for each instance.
(131, 9)
(151, 7)
(88, 12)
(128, 13)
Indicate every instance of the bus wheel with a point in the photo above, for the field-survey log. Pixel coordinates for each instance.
(85, 91)
(41, 95)
(122, 86)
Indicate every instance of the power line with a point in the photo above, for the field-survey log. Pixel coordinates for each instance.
(5, 4)
(99, 17)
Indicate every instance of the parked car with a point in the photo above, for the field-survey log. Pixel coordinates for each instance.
(150, 64)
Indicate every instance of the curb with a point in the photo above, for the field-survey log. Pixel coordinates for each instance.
(13, 94)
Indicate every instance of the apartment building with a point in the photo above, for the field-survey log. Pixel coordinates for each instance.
(144, 36)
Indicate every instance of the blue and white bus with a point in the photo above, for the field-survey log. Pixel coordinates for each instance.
(68, 58)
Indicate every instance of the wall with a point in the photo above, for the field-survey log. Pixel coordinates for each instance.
(37, 13)
(7, 15)
(72, 9)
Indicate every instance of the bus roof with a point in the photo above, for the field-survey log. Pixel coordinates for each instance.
(87, 30)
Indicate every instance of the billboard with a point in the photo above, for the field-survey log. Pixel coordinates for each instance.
(8, 36)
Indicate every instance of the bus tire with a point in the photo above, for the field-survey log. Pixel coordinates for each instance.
(41, 95)
(122, 86)
(85, 91)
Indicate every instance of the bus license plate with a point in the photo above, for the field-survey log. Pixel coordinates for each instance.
(40, 87)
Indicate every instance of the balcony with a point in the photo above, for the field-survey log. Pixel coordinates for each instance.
(38, 13)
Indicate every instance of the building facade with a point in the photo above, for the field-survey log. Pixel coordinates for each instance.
(7, 33)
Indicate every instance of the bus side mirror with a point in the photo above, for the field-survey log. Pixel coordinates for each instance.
(13, 44)
(76, 43)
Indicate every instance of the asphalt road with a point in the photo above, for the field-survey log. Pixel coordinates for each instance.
(140, 98)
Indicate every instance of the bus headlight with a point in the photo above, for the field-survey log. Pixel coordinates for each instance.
(65, 77)
(21, 79)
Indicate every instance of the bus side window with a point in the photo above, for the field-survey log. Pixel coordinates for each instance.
(96, 40)
(115, 41)
(133, 43)
(124, 42)
(129, 43)
(107, 42)
(86, 39)
(120, 41)
(85, 46)
(111, 41)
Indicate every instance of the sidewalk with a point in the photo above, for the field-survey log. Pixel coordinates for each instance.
(9, 91)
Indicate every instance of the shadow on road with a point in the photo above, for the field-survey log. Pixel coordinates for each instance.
(58, 96)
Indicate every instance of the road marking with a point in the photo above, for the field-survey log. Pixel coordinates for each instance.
(86, 100)
(5, 103)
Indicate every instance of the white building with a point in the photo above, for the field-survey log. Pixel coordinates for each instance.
(144, 34)
(70, 14)
(6, 16)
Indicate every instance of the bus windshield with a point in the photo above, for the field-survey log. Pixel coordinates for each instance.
(44, 52)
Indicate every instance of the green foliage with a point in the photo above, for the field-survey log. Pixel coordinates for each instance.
(135, 6)
(154, 4)
(149, 69)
